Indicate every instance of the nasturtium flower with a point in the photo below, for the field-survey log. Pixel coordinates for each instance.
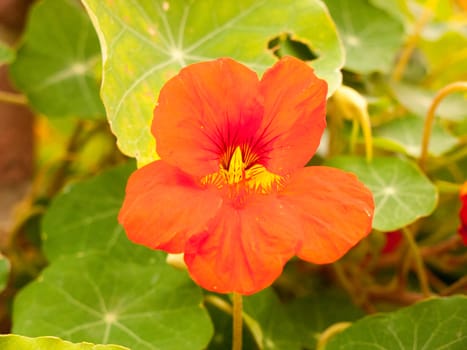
(463, 213)
(231, 190)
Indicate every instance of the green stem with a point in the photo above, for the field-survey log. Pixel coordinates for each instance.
(448, 89)
(419, 266)
(237, 321)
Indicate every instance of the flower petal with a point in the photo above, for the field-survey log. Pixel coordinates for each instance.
(202, 110)
(335, 208)
(244, 250)
(294, 114)
(164, 206)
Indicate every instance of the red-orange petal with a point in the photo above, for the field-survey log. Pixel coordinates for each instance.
(294, 114)
(244, 250)
(203, 109)
(335, 208)
(164, 206)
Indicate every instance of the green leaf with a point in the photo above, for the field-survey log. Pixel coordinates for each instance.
(4, 272)
(446, 61)
(145, 42)
(57, 63)
(83, 219)
(312, 314)
(101, 299)
(433, 324)
(269, 322)
(371, 36)
(17, 342)
(6, 53)
(406, 133)
(401, 191)
(418, 100)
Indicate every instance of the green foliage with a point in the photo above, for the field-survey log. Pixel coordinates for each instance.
(401, 191)
(16, 342)
(99, 287)
(4, 272)
(83, 220)
(155, 39)
(57, 63)
(371, 37)
(438, 323)
(312, 314)
(125, 294)
(404, 135)
(6, 53)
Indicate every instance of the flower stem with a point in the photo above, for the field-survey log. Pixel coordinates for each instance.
(237, 322)
(419, 266)
(453, 87)
(10, 97)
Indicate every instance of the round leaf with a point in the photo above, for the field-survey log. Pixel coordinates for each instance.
(101, 299)
(146, 42)
(83, 219)
(17, 342)
(371, 36)
(406, 134)
(432, 324)
(401, 191)
(56, 64)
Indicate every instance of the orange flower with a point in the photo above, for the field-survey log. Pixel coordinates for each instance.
(463, 213)
(231, 190)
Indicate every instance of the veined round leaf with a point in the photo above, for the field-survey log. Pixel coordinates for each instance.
(371, 36)
(57, 63)
(18, 342)
(6, 53)
(101, 299)
(406, 133)
(401, 191)
(83, 219)
(145, 42)
(433, 324)
(4, 272)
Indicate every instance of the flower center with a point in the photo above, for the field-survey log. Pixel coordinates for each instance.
(240, 174)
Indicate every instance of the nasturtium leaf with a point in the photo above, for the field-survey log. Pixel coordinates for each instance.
(418, 100)
(145, 42)
(312, 314)
(18, 342)
(401, 191)
(83, 219)
(438, 323)
(4, 272)
(445, 68)
(102, 299)
(398, 9)
(6, 53)
(371, 36)
(269, 322)
(406, 134)
(56, 65)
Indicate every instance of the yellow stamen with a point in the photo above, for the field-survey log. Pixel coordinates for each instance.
(236, 171)
(251, 177)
